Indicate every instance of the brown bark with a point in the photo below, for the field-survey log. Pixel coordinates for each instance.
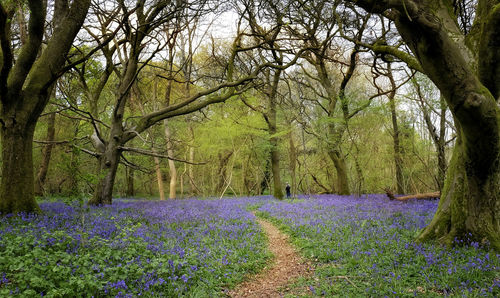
(46, 155)
(110, 158)
(119, 135)
(108, 166)
(266, 178)
(74, 162)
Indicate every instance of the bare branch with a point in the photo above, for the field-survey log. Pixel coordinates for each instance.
(154, 154)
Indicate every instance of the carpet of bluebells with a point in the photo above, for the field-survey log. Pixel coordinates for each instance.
(130, 249)
(364, 247)
(198, 248)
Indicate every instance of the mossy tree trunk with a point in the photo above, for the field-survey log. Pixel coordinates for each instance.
(342, 172)
(17, 169)
(466, 71)
(26, 77)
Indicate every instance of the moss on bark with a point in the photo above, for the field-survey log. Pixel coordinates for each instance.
(17, 187)
(465, 213)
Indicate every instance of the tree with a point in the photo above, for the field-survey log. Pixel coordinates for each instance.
(28, 70)
(396, 131)
(137, 40)
(431, 103)
(463, 63)
(270, 77)
(317, 26)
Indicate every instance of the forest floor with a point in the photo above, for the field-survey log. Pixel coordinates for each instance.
(275, 280)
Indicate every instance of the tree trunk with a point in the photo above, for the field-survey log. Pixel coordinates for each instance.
(108, 166)
(341, 168)
(159, 179)
(264, 183)
(25, 83)
(108, 161)
(171, 164)
(361, 179)
(398, 161)
(469, 208)
(222, 170)
(467, 205)
(293, 161)
(130, 182)
(441, 145)
(275, 166)
(73, 171)
(110, 158)
(274, 151)
(193, 188)
(17, 192)
(437, 138)
(46, 155)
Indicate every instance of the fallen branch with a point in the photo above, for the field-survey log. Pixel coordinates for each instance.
(428, 195)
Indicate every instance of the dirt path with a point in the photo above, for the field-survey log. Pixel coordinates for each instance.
(285, 268)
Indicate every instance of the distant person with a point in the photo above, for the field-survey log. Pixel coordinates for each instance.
(288, 193)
